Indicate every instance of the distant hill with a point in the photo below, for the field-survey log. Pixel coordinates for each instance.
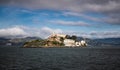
(91, 42)
(3, 41)
(109, 41)
(105, 42)
(17, 41)
(101, 42)
(24, 39)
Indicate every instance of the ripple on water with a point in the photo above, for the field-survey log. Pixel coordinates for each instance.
(59, 59)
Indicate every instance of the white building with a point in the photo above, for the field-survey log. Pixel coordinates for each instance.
(77, 44)
(69, 42)
(81, 43)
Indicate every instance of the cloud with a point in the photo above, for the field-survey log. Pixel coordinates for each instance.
(111, 20)
(44, 32)
(81, 15)
(50, 30)
(106, 7)
(105, 34)
(15, 31)
(71, 5)
(95, 34)
(69, 23)
(23, 31)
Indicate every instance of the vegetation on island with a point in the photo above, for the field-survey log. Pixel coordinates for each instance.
(55, 40)
(42, 43)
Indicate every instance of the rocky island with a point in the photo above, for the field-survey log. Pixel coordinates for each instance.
(56, 40)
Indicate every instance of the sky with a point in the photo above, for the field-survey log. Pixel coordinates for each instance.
(86, 18)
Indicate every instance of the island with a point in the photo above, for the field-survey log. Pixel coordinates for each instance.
(56, 40)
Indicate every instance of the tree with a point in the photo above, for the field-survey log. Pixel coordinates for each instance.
(67, 36)
(55, 42)
(61, 39)
(74, 37)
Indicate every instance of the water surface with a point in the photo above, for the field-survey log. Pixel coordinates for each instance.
(16, 58)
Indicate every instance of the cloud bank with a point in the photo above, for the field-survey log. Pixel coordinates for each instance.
(95, 34)
(14, 31)
(22, 31)
(44, 32)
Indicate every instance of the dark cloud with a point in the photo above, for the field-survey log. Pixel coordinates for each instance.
(110, 8)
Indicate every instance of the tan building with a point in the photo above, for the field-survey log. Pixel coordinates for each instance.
(57, 37)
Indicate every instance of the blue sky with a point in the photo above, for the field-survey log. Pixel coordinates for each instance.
(89, 18)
